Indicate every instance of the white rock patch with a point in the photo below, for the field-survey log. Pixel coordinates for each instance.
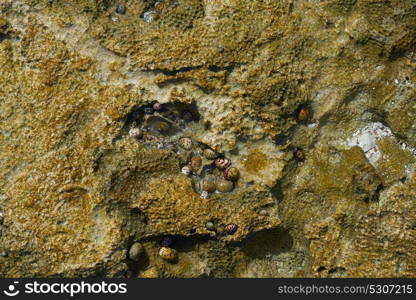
(366, 138)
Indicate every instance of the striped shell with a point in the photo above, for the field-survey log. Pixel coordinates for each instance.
(231, 228)
(222, 163)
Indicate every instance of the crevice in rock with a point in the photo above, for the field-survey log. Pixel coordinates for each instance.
(268, 242)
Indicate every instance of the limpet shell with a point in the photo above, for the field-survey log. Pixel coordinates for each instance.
(210, 154)
(224, 186)
(136, 250)
(232, 174)
(207, 185)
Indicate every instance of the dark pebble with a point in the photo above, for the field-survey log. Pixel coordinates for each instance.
(148, 110)
(121, 9)
(187, 116)
(167, 241)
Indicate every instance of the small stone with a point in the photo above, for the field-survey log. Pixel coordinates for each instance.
(224, 186)
(167, 241)
(186, 170)
(263, 212)
(168, 254)
(136, 250)
(210, 226)
(231, 228)
(281, 139)
(121, 9)
(150, 273)
(204, 195)
(5, 254)
(148, 110)
(210, 154)
(136, 133)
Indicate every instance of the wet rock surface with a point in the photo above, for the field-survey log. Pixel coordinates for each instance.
(104, 103)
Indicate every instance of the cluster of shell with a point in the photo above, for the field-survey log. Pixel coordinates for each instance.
(214, 173)
(164, 126)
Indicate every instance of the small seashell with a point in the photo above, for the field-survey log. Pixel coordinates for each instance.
(210, 226)
(157, 106)
(196, 163)
(222, 163)
(186, 170)
(303, 114)
(232, 174)
(204, 195)
(136, 250)
(136, 133)
(158, 5)
(299, 154)
(150, 16)
(168, 254)
(5, 254)
(263, 212)
(150, 273)
(185, 143)
(207, 185)
(231, 228)
(210, 154)
(224, 186)
(121, 9)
